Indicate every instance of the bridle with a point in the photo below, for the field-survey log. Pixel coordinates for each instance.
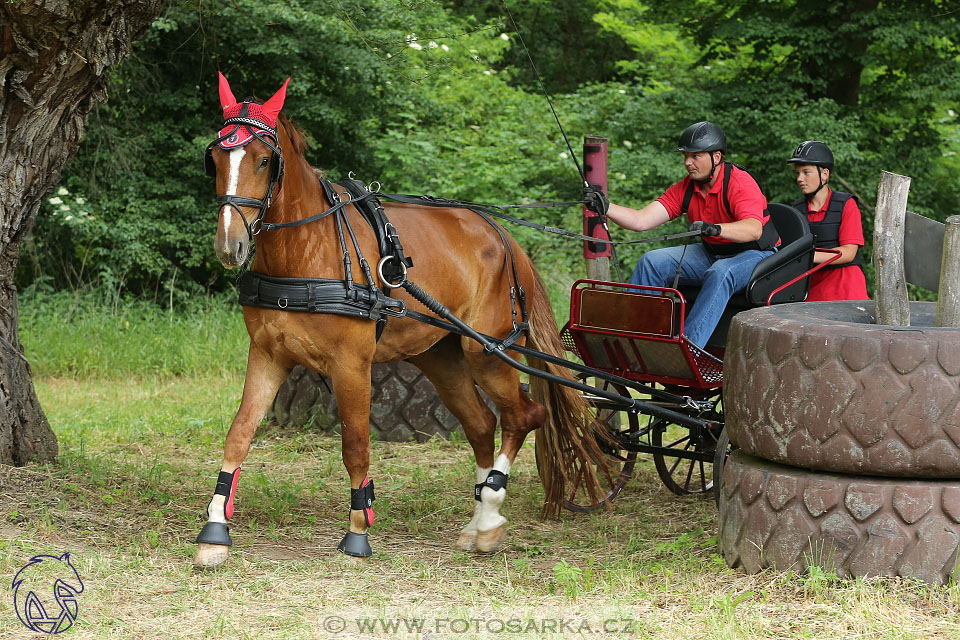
(262, 132)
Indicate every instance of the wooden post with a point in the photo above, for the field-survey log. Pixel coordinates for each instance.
(948, 304)
(893, 307)
(595, 167)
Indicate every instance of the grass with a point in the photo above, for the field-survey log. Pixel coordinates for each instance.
(84, 334)
(139, 457)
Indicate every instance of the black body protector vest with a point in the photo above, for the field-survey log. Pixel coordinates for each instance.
(826, 233)
(766, 242)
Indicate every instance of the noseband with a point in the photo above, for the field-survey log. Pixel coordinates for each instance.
(276, 170)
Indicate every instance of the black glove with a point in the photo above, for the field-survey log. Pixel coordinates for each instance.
(594, 199)
(705, 228)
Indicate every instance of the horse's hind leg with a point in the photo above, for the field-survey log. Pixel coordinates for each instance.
(454, 372)
(519, 415)
(263, 378)
(449, 372)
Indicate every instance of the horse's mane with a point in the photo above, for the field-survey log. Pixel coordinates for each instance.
(297, 138)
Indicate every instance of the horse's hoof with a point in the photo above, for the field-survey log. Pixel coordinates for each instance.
(490, 541)
(209, 556)
(467, 541)
(356, 545)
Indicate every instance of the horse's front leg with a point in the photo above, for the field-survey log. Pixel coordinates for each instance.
(352, 389)
(264, 377)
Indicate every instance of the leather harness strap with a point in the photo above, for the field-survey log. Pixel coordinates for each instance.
(339, 297)
(349, 298)
(316, 295)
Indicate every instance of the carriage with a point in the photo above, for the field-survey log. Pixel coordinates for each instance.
(632, 336)
(311, 297)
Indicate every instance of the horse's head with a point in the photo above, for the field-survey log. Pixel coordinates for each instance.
(248, 163)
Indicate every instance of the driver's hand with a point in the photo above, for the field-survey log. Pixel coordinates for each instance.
(705, 228)
(595, 200)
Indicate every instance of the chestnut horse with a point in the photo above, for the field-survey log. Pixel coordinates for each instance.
(263, 180)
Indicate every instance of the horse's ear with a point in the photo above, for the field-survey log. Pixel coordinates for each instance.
(272, 107)
(226, 95)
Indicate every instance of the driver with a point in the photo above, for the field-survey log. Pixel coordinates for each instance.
(725, 204)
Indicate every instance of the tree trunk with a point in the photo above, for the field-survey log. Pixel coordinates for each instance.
(54, 56)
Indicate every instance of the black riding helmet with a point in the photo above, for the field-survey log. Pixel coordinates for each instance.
(703, 136)
(814, 153)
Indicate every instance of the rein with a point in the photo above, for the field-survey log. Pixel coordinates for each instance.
(489, 209)
(476, 207)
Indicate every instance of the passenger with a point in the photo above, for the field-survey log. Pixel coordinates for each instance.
(721, 201)
(834, 219)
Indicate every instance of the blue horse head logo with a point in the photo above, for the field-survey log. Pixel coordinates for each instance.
(45, 594)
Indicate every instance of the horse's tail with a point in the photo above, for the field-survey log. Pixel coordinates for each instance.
(567, 451)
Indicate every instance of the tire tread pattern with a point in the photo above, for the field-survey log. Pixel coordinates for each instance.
(806, 388)
(774, 516)
(404, 405)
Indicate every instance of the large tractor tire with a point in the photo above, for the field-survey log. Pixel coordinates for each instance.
(404, 405)
(773, 516)
(819, 385)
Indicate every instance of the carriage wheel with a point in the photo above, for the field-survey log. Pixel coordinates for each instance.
(681, 475)
(623, 427)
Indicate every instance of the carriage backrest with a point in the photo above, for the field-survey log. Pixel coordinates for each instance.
(791, 224)
(794, 257)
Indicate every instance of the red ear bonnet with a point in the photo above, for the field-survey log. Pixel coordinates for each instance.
(226, 95)
(272, 107)
(265, 113)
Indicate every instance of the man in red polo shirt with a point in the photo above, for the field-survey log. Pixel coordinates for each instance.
(834, 219)
(726, 205)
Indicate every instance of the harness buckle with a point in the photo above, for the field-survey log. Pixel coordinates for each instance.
(383, 279)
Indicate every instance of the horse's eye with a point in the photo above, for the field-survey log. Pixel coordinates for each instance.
(263, 162)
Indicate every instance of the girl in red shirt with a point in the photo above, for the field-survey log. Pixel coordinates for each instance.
(835, 221)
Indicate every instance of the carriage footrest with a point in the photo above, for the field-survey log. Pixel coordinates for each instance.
(567, 339)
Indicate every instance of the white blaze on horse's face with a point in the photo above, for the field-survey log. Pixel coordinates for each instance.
(232, 181)
(231, 242)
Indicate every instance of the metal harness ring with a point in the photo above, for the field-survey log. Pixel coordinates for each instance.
(387, 283)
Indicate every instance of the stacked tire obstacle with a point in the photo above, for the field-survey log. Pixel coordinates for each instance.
(849, 442)
(404, 405)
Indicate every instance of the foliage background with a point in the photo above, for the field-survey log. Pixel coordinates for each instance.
(430, 96)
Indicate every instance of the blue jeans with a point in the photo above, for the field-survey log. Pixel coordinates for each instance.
(718, 277)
